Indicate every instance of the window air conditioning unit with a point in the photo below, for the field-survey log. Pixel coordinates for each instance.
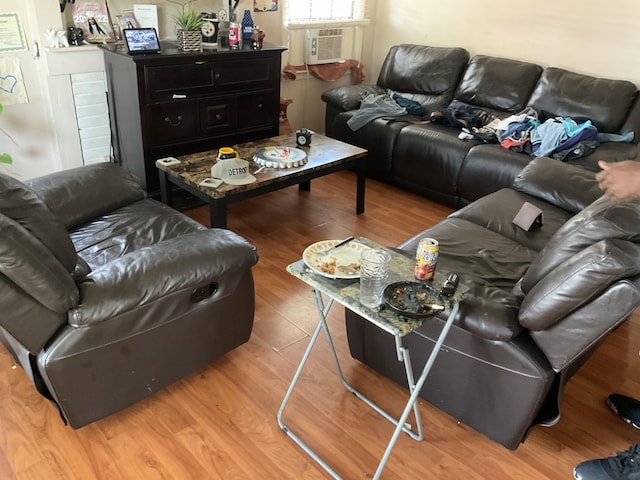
(324, 45)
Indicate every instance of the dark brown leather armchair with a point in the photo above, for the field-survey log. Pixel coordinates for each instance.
(108, 296)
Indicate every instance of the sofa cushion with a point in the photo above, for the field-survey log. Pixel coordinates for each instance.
(130, 228)
(18, 202)
(498, 83)
(566, 186)
(67, 196)
(29, 264)
(497, 210)
(605, 102)
(478, 256)
(603, 219)
(428, 75)
(577, 281)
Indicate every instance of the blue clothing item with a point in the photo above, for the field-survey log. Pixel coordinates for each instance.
(374, 106)
(588, 134)
(615, 137)
(572, 127)
(546, 137)
(413, 107)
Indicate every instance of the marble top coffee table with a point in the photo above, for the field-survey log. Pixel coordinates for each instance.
(324, 156)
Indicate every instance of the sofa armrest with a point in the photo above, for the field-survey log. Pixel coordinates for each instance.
(191, 261)
(348, 97)
(565, 186)
(81, 194)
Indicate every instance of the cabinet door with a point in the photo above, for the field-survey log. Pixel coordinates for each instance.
(172, 121)
(238, 74)
(255, 110)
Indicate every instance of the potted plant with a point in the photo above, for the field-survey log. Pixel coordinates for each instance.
(189, 23)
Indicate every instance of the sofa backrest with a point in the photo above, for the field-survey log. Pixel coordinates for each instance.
(596, 249)
(36, 261)
(428, 75)
(498, 83)
(605, 102)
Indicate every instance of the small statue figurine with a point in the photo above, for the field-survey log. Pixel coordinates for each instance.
(257, 38)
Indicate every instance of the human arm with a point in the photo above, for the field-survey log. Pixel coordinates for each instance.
(620, 180)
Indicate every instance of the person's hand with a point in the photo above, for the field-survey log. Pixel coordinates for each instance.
(620, 180)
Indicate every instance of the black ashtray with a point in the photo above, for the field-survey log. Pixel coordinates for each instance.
(413, 299)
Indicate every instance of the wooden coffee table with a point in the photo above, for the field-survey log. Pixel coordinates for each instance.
(325, 155)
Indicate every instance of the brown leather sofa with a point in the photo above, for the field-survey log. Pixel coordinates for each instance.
(539, 302)
(430, 159)
(108, 296)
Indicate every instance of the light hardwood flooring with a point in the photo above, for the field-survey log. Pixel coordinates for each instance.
(220, 422)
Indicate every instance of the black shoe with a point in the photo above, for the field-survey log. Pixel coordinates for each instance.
(624, 466)
(626, 407)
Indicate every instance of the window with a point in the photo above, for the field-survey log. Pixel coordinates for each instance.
(321, 11)
(304, 18)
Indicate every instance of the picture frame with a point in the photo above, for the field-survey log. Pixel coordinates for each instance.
(265, 5)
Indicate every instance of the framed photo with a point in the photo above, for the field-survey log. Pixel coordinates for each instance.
(265, 5)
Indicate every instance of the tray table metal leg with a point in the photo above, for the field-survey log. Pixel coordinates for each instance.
(414, 388)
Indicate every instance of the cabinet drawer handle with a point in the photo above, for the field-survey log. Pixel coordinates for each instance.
(217, 76)
(259, 105)
(176, 123)
(218, 117)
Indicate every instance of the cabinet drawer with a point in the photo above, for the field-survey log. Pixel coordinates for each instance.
(242, 74)
(172, 121)
(166, 81)
(256, 110)
(217, 115)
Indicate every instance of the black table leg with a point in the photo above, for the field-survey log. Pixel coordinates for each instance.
(360, 186)
(305, 186)
(165, 188)
(218, 213)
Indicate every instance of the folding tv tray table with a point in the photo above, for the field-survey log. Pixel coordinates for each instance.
(346, 292)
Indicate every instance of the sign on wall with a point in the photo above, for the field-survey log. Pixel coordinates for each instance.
(12, 89)
(12, 37)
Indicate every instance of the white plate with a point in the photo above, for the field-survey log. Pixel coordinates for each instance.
(343, 262)
(280, 157)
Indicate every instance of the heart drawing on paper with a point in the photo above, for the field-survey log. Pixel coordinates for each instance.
(8, 83)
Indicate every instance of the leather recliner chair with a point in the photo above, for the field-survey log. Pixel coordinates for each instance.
(107, 296)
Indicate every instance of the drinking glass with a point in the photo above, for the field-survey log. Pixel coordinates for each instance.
(374, 270)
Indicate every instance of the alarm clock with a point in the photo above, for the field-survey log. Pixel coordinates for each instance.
(303, 137)
(209, 29)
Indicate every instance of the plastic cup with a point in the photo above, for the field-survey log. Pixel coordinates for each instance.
(374, 270)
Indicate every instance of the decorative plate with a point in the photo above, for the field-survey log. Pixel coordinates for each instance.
(343, 262)
(413, 299)
(280, 157)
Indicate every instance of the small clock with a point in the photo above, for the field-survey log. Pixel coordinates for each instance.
(303, 137)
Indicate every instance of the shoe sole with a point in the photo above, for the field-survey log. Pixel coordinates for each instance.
(628, 420)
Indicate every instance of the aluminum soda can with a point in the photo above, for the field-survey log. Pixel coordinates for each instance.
(234, 35)
(426, 258)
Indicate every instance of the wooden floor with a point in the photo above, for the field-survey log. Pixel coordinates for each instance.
(220, 422)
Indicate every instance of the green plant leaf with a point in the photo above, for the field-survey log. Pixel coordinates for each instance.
(6, 158)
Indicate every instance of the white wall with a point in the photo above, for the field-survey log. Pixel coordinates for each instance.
(587, 36)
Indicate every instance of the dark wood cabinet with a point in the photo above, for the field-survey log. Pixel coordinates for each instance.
(176, 103)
